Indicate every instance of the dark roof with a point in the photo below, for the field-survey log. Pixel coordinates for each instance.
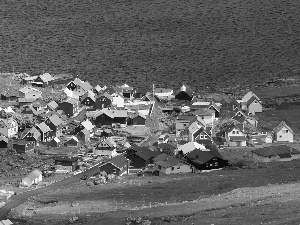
(147, 154)
(168, 162)
(55, 120)
(119, 161)
(199, 156)
(186, 89)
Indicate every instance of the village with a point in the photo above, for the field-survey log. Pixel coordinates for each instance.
(124, 131)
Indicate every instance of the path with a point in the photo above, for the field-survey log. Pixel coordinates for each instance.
(17, 200)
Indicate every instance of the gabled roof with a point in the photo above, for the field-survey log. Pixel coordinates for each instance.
(281, 125)
(89, 94)
(73, 138)
(186, 117)
(201, 156)
(186, 89)
(248, 96)
(87, 125)
(119, 161)
(109, 141)
(204, 112)
(34, 174)
(43, 127)
(28, 89)
(3, 138)
(56, 139)
(138, 114)
(168, 162)
(160, 157)
(250, 100)
(72, 101)
(55, 120)
(86, 86)
(162, 90)
(8, 121)
(46, 77)
(233, 126)
(53, 105)
(215, 106)
(35, 132)
(106, 95)
(275, 150)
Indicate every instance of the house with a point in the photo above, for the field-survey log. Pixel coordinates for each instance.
(83, 135)
(200, 134)
(33, 177)
(103, 101)
(246, 120)
(9, 95)
(24, 146)
(25, 101)
(141, 157)
(251, 104)
(6, 222)
(46, 134)
(85, 125)
(88, 99)
(72, 142)
(172, 165)
(111, 117)
(283, 133)
(55, 124)
(3, 141)
(234, 135)
(98, 89)
(28, 92)
(52, 106)
(138, 119)
(44, 80)
(127, 91)
(117, 100)
(163, 93)
(32, 109)
(28, 80)
(206, 160)
(66, 163)
(216, 108)
(184, 93)
(207, 115)
(55, 142)
(106, 147)
(117, 165)
(182, 122)
(31, 134)
(70, 106)
(229, 104)
(275, 153)
(164, 138)
(189, 147)
(79, 86)
(8, 127)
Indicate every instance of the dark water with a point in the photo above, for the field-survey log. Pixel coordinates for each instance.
(166, 42)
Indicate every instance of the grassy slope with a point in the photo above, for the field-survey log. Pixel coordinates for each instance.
(141, 41)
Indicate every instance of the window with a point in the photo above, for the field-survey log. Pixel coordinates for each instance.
(237, 132)
(159, 167)
(233, 132)
(280, 136)
(211, 165)
(201, 136)
(184, 124)
(178, 167)
(203, 117)
(216, 163)
(114, 170)
(286, 131)
(172, 168)
(205, 136)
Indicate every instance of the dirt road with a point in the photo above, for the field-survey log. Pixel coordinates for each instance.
(17, 200)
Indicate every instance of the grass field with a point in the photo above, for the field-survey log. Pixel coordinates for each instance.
(140, 42)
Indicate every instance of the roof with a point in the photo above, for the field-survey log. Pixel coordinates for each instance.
(109, 141)
(138, 114)
(5, 222)
(162, 90)
(232, 126)
(46, 77)
(160, 157)
(186, 117)
(55, 120)
(7, 122)
(204, 112)
(119, 161)
(28, 89)
(22, 142)
(56, 139)
(281, 125)
(3, 138)
(26, 99)
(72, 101)
(248, 96)
(89, 94)
(190, 146)
(87, 125)
(43, 127)
(250, 100)
(105, 94)
(200, 156)
(86, 86)
(215, 106)
(52, 104)
(149, 140)
(168, 162)
(275, 150)
(186, 89)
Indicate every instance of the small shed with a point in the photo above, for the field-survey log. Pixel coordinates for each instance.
(3, 141)
(72, 142)
(32, 178)
(66, 163)
(24, 146)
(55, 142)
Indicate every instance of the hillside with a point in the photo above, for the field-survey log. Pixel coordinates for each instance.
(142, 42)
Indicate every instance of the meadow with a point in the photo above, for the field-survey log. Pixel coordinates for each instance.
(140, 42)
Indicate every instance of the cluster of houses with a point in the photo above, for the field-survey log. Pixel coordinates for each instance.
(89, 113)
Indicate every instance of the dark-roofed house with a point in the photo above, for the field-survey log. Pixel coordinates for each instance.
(142, 157)
(83, 135)
(24, 146)
(85, 125)
(216, 108)
(9, 127)
(66, 163)
(9, 95)
(206, 159)
(235, 136)
(31, 134)
(251, 103)
(72, 142)
(138, 119)
(55, 124)
(106, 147)
(182, 123)
(283, 133)
(88, 99)
(103, 101)
(55, 142)
(111, 117)
(275, 153)
(46, 134)
(117, 165)
(184, 93)
(43, 80)
(70, 107)
(172, 165)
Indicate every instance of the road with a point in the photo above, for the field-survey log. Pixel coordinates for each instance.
(19, 199)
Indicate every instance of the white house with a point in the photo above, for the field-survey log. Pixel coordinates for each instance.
(172, 165)
(235, 136)
(32, 178)
(283, 133)
(106, 147)
(163, 93)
